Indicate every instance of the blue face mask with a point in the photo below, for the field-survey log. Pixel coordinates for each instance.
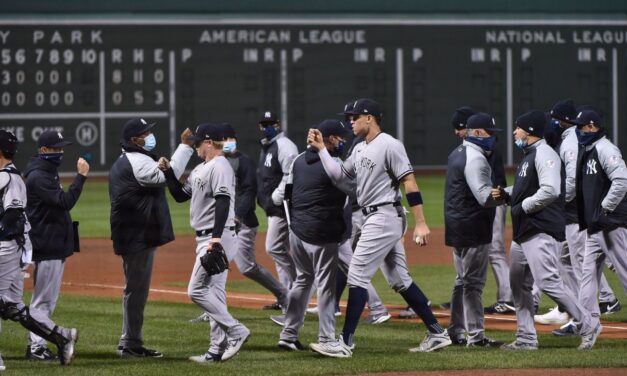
(586, 138)
(54, 158)
(229, 147)
(340, 147)
(486, 143)
(521, 143)
(150, 142)
(556, 127)
(270, 132)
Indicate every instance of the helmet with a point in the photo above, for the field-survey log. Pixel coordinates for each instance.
(8, 144)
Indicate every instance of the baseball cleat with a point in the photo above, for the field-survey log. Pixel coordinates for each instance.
(202, 318)
(554, 316)
(40, 353)
(334, 349)
(235, 344)
(500, 308)
(312, 310)
(278, 319)
(2, 367)
(407, 313)
(290, 345)
(274, 306)
(519, 346)
(433, 342)
(66, 351)
(459, 341)
(486, 343)
(610, 307)
(206, 358)
(588, 341)
(138, 352)
(566, 330)
(377, 319)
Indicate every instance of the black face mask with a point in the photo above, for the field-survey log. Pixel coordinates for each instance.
(54, 158)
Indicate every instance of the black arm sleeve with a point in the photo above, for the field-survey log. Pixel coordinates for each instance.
(221, 215)
(175, 186)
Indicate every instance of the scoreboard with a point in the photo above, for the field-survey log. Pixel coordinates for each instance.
(86, 77)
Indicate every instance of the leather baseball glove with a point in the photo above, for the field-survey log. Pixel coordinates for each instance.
(215, 261)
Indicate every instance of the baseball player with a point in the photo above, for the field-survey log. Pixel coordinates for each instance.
(379, 165)
(275, 159)
(16, 252)
(317, 225)
(468, 217)
(52, 233)
(211, 188)
(538, 228)
(140, 222)
(601, 185)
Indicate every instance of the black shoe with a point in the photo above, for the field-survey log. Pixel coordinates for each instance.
(500, 308)
(274, 306)
(459, 341)
(486, 343)
(138, 352)
(291, 345)
(610, 307)
(40, 353)
(446, 305)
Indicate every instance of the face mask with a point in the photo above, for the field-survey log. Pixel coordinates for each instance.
(556, 127)
(486, 143)
(587, 138)
(54, 158)
(270, 132)
(340, 147)
(521, 143)
(229, 147)
(149, 142)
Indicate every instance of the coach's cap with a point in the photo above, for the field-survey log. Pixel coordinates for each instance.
(460, 117)
(481, 120)
(564, 110)
(332, 127)
(228, 131)
(208, 131)
(532, 122)
(365, 106)
(8, 144)
(52, 139)
(269, 118)
(589, 117)
(135, 127)
(589, 107)
(348, 107)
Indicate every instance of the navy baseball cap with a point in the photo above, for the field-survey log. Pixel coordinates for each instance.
(269, 118)
(8, 144)
(365, 106)
(228, 130)
(347, 108)
(532, 122)
(52, 139)
(135, 127)
(564, 110)
(590, 107)
(481, 120)
(589, 117)
(208, 131)
(460, 117)
(332, 127)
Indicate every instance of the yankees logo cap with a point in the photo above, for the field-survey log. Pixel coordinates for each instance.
(589, 117)
(564, 110)
(365, 106)
(460, 117)
(532, 122)
(135, 127)
(52, 139)
(8, 143)
(208, 131)
(332, 127)
(481, 120)
(348, 107)
(228, 130)
(269, 118)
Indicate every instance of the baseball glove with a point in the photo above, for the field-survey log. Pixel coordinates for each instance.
(215, 261)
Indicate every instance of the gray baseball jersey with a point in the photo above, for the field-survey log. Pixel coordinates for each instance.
(206, 181)
(372, 164)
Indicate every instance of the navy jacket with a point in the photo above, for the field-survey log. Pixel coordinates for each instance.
(245, 189)
(48, 210)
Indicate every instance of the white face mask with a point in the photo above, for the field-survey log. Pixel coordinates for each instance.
(229, 147)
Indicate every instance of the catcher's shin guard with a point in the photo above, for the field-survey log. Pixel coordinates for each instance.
(10, 311)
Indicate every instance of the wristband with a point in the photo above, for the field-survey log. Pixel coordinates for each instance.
(414, 198)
